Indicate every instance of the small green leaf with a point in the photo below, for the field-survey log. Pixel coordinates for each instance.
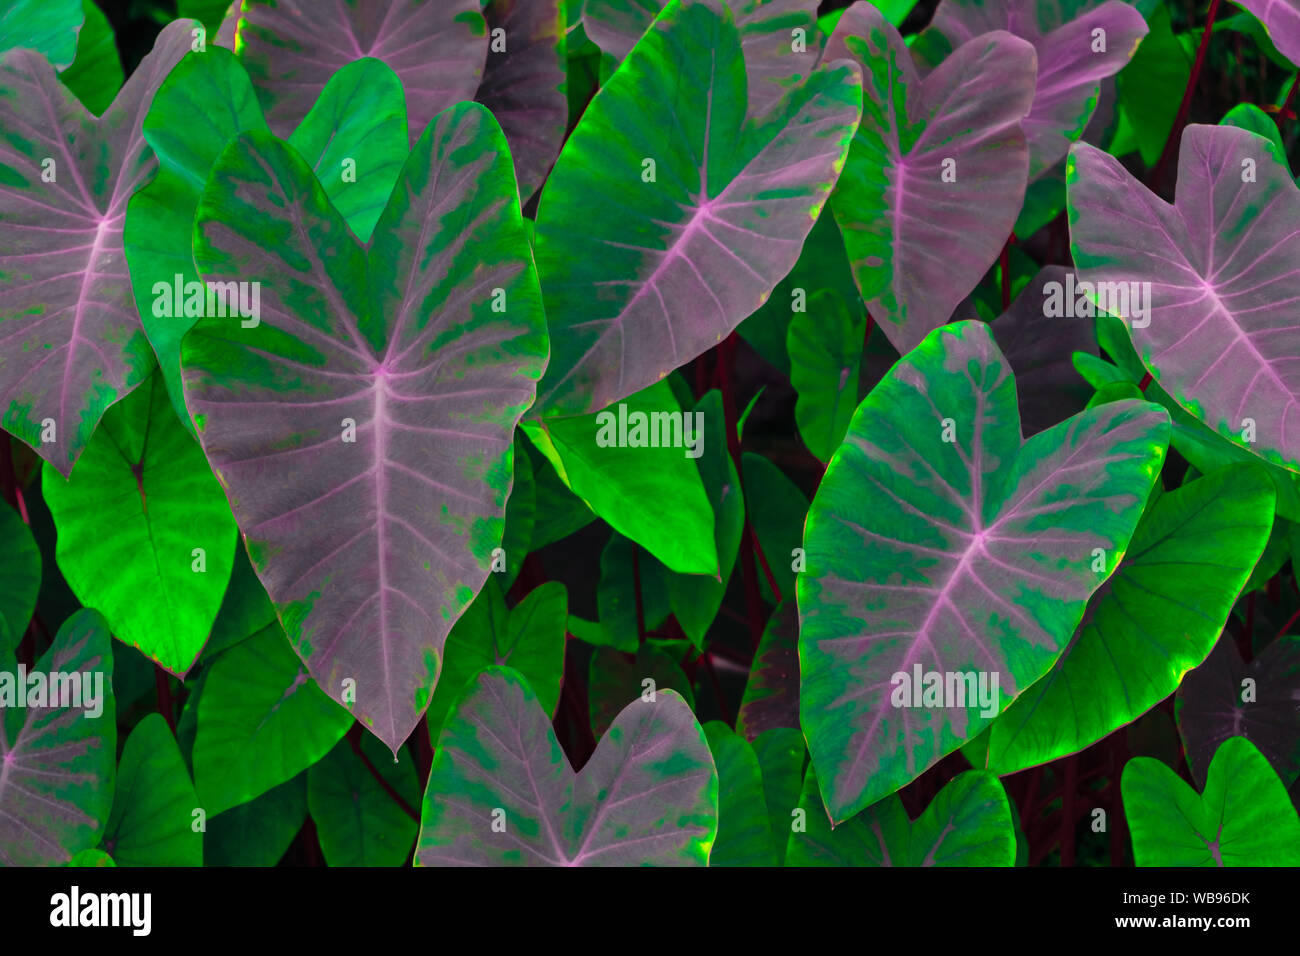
(152, 823)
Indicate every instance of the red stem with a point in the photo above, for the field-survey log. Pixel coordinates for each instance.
(1285, 627)
(636, 587)
(1284, 111)
(1146, 380)
(1180, 119)
(354, 740)
(163, 684)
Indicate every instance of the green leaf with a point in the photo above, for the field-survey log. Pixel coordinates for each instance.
(616, 593)
(647, 796)
(1151, 86)
(1243, 818)
(152, 823)
(261, 721)
(652, 494)
(968, 823)
(96, 74)
(49, 27)
(616, 678)
(528, 637)
(744, 831)
(144, 502)
(245, 609)
(209, 12)
(777, 509)
(521, 515)
(781, 754)
(1156, 618)
(558, 511)
(358, 822)
(258, 833)
(1250, 117)
(825, 347)
(95, 858)
(20, 577)
(58, 763)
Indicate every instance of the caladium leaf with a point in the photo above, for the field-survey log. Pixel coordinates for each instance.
(942, 548)
(291, 47)
(152, 823)
(501, 792)
(20, 577)
(775, 36)
(744, 831)
(362, 426)
(70, 338)
(968, 823)
(357, 819)
(825, 349)
(781, 755)
(144, 502)
(528, 637)
(669, 218)
(49, 27)
(1155, 618)
(1040, 345)
(258, 833)
(1243, 818)
(616, 678)
(1225, 697)
(261, 721)
(1207, 287)
(634, 466)
(936, 173)
(1282, 20)
(96, 74)
(523, 83)
(57, 764)
(1073, 59)
(354, 138)
(771, 698)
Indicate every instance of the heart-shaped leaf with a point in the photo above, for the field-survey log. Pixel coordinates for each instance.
(775, 36)
(968, 823)
(936, 173)
(70, 338)
(92, 858)
(1073, 59)
(258, 833)
(1207, 286)
(354, 138)
(261, 721)
(49, 27)
(669, 218)
(152, 823)
(1243, 818)
(771, 696)
(523, 83)
(57, 763)
(744, 830)
(781, 755)
(143, 502)
(1155, 618)
(825, 349)
(943, 548)
(20, 577)
(357, 818)
(96, 74)
(362, 426)
(1282, 19)
(1225, 697)
(777, 507)
(292, 47)
(501, 791)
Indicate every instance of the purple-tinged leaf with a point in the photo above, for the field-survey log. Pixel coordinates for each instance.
(669, 218)
(771, 696)
(1073, 60)
(1282, 20)
(502, 793)
(292, 47)
(936, 174)
(1040, 348)
(1260, 701)
(1208, 287)
(71, 342)
(57, 763)
(523, 84)
(362, 427)
(941, 543)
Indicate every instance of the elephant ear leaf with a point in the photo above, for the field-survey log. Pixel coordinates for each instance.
(362, 422)
(1207, 286)
(936, 174)
(59, 763)
(669, 218)
(501, 791)
(949, 561)
(50, 27)
(292, 47)
(1243, 818)
(71, 342)
(1281, 18)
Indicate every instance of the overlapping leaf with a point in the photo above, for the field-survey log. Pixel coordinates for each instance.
(1282, 20)
(50, 27)
(20, 577)
(362, 426)
(941, 542)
